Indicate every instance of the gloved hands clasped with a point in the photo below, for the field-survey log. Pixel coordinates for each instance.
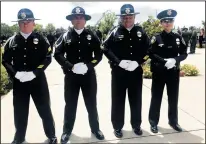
(170, 63)
(128, 65)
(24, 76)
(80, 68)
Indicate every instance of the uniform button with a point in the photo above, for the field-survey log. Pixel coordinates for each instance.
(130, 46)
(88, 43)
(131, 53)
(79, 50)
(130, 39)
(35, 48)
(25, 48)
(24, 55)
(79, 58)
(79, 36)
(25, 40)
(24, 63)
(79, 42)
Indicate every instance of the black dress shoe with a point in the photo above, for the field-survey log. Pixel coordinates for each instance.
(17, 141)
(118, 133)
(65, 138)
(154, 129)
(138, 131)
(176, 127)
(99, 135)
(52, 140)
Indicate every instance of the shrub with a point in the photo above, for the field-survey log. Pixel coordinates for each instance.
(189, 70)
(5, 82)
(146, 71)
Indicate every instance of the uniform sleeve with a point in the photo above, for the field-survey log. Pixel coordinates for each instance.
(46, 62)
(144, 56)
(107, 45)
(152, 53)
(7, 58)
(97, 53)
(182, 51)
(59, 53)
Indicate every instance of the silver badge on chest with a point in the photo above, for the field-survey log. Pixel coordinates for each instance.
(35, 41)
(89, 37)
(68, 41)
(177, 41)
(139, 34)
(120, 36)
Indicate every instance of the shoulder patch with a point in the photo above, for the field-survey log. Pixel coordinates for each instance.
(153, 39)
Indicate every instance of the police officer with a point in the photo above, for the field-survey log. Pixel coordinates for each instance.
(201, 37)
(193, 41)
(126, 47)
(51, 39)
(26, 55)
(166, 46)
(79, 44)
(99, 33)
(186, 36)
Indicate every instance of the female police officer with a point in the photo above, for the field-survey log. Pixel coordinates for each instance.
(167, 51)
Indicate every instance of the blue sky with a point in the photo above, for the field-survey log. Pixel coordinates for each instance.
(189, 13)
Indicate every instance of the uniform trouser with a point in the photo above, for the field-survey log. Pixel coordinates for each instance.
(200, 41)
(123, 80)
(38, 89)
(88, 84)
(159, 79)
(193, 46)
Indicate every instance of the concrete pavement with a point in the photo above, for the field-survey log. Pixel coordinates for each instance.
(191, 110)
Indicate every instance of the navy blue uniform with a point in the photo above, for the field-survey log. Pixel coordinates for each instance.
(122, 44)
(31, 54)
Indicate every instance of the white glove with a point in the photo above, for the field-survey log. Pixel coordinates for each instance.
(132, 66)
(80, 68)
(124, 64)
(170, 63)
(28, 77)
(20, 75)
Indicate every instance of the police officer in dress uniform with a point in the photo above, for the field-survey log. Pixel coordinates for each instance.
(125, 47)
(186, 36)
(79, 44)
(99, 34)
(167, 51)
(27, 54)
(193, 41)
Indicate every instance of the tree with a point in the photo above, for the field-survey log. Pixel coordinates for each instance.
(15, 28)
(152, 26)
(38, 28)
(107, 23)
(50, 28)
(60, 30)
(6, 30)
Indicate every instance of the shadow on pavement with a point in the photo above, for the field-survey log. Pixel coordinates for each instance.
(164, 136)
